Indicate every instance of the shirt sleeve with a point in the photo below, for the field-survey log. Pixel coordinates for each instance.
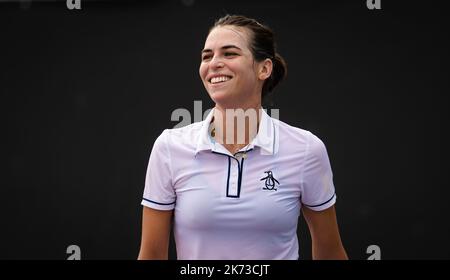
(159, 192)
(318, 191)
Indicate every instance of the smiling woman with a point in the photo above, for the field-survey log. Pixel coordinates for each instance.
(243, 47)
(222, 210)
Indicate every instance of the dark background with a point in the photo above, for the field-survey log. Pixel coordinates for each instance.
(84, 93)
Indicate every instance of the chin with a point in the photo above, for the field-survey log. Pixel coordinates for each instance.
(219, 96)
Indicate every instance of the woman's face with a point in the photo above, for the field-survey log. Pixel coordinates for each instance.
(227, 67)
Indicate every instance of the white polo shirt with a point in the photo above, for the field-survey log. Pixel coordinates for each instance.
(242, 206)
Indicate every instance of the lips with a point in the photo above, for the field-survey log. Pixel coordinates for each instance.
(219, 78)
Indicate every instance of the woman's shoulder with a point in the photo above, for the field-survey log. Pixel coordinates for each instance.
(297, 135)
(180, 135)
(294, 132)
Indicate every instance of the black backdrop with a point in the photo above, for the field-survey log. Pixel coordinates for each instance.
(84, 93)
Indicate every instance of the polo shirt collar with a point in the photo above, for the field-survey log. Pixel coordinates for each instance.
(266, 138)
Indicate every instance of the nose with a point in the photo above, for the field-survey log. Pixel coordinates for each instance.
(216, 62)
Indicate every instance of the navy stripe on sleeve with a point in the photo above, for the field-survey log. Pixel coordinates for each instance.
(320, 203)
(157, 202)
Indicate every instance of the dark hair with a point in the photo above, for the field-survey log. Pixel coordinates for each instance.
(262, 46)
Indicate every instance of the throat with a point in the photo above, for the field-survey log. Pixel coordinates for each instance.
(233, 149)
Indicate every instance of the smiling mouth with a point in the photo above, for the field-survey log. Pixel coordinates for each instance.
(219, 79)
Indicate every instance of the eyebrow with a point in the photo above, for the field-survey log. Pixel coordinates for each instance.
(223, 48)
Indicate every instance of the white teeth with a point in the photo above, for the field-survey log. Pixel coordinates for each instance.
(219, 79)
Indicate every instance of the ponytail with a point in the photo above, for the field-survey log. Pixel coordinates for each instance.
(279, 72)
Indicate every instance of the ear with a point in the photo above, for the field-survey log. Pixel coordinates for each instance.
(265, 69)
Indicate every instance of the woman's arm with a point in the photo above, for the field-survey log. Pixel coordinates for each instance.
(155, 234)
(326, 241)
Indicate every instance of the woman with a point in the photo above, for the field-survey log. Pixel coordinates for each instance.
(236, 191)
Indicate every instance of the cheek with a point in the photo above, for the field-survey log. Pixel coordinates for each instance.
(243, 70)
(202, 71)
(245, 78)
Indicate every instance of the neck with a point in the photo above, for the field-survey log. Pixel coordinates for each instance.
(236, 127)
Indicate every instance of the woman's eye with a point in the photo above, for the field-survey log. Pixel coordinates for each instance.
(229, 54)
(205, 57)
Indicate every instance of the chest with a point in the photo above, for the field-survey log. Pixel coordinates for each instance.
(257, 191)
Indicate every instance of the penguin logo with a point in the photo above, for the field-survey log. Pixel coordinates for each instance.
(270, 181)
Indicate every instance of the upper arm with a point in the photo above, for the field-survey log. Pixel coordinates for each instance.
(158, 201)
(325, 237)
(156, 226)
(159, 192)
(316, 179)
